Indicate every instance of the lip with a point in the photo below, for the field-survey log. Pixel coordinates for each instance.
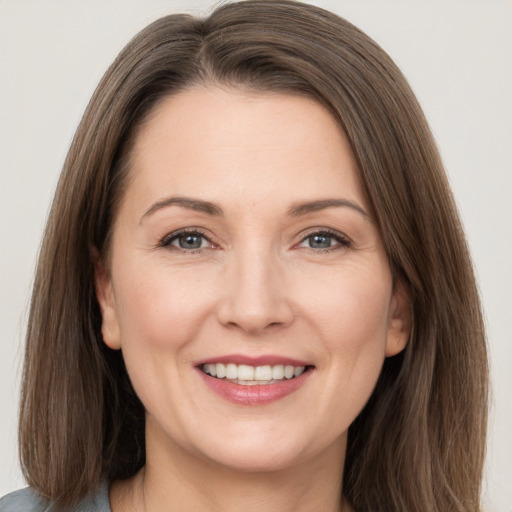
(264, 360)
(257, 394)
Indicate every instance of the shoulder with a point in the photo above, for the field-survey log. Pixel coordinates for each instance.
(27, 500)
(96, 502)
(24, 500)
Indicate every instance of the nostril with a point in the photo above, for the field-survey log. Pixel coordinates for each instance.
(252, 322)
(254, 304)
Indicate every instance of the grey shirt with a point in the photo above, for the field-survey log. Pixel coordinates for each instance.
(26, 500)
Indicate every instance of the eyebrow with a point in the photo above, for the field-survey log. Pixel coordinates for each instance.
(185, 202)
(298, 209)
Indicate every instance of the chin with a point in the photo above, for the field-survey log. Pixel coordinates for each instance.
(257, 460)
(274, 451)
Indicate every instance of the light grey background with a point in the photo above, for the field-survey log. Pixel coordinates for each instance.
(457, 55)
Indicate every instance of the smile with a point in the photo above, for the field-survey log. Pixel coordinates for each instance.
(248, 375)
(254, 381)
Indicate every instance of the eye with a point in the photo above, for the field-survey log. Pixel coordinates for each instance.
(322, 240)
(186, 240)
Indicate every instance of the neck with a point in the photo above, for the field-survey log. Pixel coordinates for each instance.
(175, 480)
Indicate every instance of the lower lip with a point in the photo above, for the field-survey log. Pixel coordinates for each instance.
(254, 395)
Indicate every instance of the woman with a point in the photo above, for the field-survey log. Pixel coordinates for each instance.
(235, 303)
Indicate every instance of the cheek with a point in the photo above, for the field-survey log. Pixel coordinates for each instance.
(161, 306)
(351, 305)
(160, 312)
(352, 322)
(361, 325)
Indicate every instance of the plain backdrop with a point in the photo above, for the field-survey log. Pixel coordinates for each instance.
(457, 55)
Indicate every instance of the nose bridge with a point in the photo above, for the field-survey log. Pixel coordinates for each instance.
(256, 295)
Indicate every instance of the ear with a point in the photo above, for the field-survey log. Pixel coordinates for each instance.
(106, 299)
(400, 320)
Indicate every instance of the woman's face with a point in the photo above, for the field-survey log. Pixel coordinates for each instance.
(248, 288)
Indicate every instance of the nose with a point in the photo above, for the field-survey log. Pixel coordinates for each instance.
(256, 296)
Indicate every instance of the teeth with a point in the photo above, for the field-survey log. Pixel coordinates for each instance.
(245, 372)
(231, 371)
(252, 375)
(221, 370)
(263, 373)
(278, 372)
(297, 370)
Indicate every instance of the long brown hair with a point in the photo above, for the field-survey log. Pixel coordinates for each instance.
(419, 442)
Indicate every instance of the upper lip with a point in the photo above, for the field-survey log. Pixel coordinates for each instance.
(263, 360)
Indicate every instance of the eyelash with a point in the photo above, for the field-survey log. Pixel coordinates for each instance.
(342, 241)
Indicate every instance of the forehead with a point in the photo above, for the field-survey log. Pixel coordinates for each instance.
(220, 144)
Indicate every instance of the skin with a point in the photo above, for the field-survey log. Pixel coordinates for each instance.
(256, 286)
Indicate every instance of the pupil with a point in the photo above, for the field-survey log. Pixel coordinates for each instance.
(320, 241)
(190, 242)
